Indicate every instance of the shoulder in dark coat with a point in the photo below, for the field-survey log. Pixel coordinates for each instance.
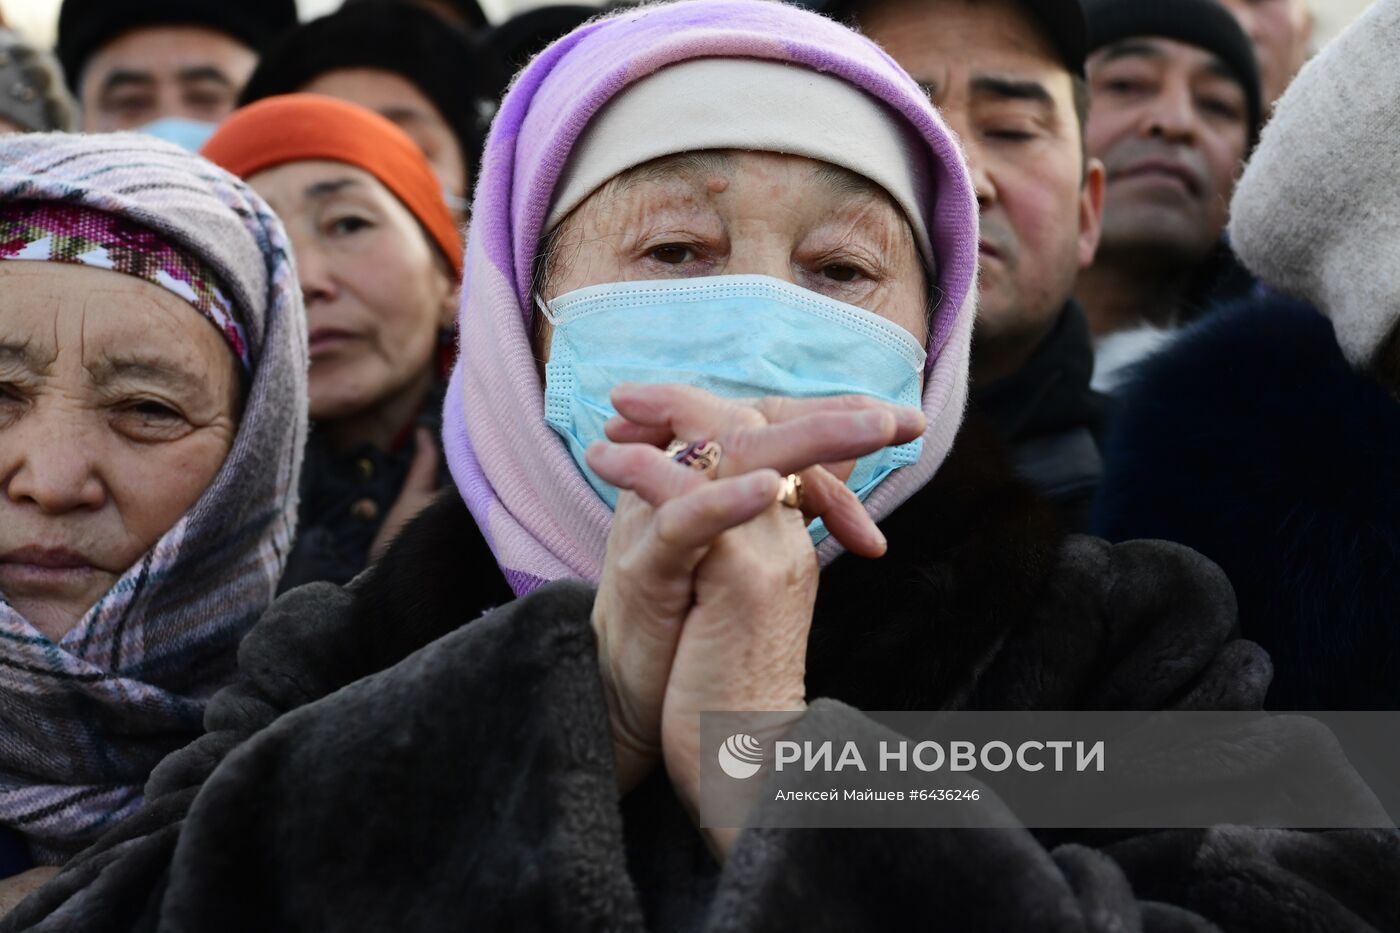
(1254, 442)
(984, 603)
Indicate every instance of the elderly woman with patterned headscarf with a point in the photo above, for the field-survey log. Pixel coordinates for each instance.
(715, 329)
(152, 415)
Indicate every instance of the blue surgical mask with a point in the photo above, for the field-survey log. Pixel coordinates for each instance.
(738, 336)
(182, 131)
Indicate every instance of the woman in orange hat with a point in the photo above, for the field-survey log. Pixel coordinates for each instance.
(379, 260)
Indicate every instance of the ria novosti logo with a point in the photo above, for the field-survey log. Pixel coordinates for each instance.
(741, 756)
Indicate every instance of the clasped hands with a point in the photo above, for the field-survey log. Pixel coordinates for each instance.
(705, 601)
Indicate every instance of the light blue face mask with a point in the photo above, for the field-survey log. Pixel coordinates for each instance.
(737, 336)
(182, 131)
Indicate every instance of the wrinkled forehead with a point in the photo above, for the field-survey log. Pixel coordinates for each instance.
(55, 314)
(708, 169)
(724, 187)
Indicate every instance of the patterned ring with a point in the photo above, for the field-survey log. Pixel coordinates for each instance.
(703, 456)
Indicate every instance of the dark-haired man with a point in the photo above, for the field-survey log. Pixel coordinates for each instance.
(1008, 77)
(1175, 103)
(181, 62)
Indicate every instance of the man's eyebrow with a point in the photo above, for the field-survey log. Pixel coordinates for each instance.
(324, 189)
(1006, 88)
(202, 73)
(1133, 48)
(123, 77)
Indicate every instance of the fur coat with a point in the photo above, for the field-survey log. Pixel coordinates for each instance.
(395, 759)
(1254, 442)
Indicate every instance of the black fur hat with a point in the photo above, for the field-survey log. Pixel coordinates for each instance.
(84, 26)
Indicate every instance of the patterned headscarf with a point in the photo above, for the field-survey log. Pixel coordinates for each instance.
(538, 513)
(85, 719)
(45, 232)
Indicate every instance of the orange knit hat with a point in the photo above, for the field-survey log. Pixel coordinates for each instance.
(301, 127)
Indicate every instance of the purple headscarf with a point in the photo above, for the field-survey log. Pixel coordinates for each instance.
(538, 513)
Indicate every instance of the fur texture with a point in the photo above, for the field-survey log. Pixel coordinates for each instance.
(385, 764)
(1254, 442)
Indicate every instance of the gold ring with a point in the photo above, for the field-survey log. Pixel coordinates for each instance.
(791, 493)
(702, 456)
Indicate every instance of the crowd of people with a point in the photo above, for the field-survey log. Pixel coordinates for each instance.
(409, 425)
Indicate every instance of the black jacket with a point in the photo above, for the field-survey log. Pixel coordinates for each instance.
(344, 500)
(1051, 421)
(390, 761)
(1253, 441)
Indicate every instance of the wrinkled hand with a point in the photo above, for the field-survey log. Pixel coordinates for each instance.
(672, 519)
(661, 531)
(743, 646)
(419, 488)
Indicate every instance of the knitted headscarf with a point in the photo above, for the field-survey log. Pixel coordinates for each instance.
(84, 720)
(537, 511)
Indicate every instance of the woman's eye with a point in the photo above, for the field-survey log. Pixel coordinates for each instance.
(673, 254)
(153, 410)
(345, 226)
(1010, 135)
(839, 272)
(149, 420)
(11, 403)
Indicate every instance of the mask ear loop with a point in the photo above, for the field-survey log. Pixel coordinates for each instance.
(544, 309)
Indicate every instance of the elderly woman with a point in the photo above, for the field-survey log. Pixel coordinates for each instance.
(379, 258)
(741, 226)
(151, 423)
